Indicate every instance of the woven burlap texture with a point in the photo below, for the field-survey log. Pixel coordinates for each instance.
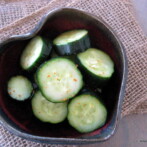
(19, 17)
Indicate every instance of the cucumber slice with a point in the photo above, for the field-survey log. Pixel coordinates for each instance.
(47, 111)
(86, 113)
(19, 88)
(35, 53)
(59, 79)
(96, 65)
(72, 42)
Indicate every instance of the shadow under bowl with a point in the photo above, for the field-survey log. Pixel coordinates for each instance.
(18, 118)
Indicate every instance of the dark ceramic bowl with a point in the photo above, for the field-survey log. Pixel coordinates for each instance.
(17, 117)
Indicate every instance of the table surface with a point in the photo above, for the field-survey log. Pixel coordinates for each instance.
(131, 132)
(140, 9)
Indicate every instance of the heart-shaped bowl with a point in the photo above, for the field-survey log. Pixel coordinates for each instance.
(17, 117)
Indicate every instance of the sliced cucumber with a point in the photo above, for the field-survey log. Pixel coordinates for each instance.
(37, 50)
(86, 113)
(47, 111)
(59, 79)
(72, 42)
(96, 64)
(19, 88)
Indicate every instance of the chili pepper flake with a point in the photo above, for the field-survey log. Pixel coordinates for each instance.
(75, 80)
(58, 79)
(48, 76)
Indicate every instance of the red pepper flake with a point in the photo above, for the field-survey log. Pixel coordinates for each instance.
(64, 99)
(19, 95)
(75, 80)
(49, 76)
(13, 90)
(10, 93)
(54, 72)
(77, 65)
(58, 79)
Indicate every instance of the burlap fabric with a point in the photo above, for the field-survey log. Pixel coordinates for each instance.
(19, 17)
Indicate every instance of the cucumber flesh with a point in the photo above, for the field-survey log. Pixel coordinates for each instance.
(86, 113)
(19, 88)
(59, 79)
(47, 111)
(33, 54)
(97, 62)
(70, 36)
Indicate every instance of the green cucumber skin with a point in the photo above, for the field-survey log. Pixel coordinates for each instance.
(90, 78)
(37, 76)
(74, 47)
(47, 47)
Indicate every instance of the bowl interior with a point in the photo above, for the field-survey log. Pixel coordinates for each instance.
(19, 114)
